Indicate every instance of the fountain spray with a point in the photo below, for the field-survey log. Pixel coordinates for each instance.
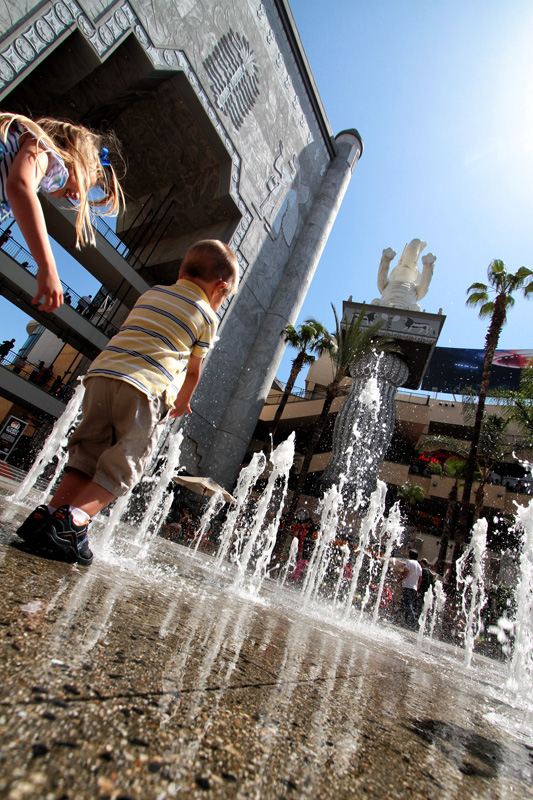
(281, 461)
(55, 444)
(245, 483)
(521, 667)
(473, 596)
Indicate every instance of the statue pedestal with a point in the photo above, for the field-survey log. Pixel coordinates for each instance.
(415, 331)
(365, 423)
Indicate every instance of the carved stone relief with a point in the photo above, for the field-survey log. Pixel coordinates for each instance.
(284, 193)
(234, 77)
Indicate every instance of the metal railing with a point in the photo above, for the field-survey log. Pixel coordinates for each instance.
(302, 395)
(41, 376)
(24, 259)
(111, 236)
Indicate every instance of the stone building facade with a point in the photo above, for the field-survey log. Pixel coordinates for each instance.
(224, 136)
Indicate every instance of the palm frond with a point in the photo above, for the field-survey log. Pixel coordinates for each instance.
(311, 336)
(486, 310)
(476, 298)
(495, 268)
(354, 341)
(523, 273)
(290, 335)
(433, 443)
(480, 287)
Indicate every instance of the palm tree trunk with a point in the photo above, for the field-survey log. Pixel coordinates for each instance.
(451, 511)
(296, 368)
(491, 342)
(331, 393)
(479, 499)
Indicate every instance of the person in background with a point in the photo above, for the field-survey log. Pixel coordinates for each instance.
(83, 303)
(20, 363)
(426, 581)
(410, 580)
(6, 347)
(54, 388)
(37, 371)
(45, 376)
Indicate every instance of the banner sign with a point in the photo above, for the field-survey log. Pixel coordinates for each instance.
(10, 434)
(452, 369)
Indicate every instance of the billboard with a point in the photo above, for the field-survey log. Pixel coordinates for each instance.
(10, 434)
(452, 369)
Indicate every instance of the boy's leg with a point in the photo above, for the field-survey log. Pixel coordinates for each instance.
(80, 491)
(76, 485)
(77, 499)
(115, 460)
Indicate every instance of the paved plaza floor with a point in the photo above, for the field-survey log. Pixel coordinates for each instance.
(154, 679)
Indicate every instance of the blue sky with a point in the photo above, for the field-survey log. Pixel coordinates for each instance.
(442, 95)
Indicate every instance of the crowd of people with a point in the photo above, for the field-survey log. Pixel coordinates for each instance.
(403, 592)
(39, 373)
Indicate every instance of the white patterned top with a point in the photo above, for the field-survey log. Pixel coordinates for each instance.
(55, 177)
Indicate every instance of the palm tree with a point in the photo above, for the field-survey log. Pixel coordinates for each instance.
(353, 343)
(491, 448)
(454, 467)
(410, 495)
(310, 339)
(520, 406)
(503, 284)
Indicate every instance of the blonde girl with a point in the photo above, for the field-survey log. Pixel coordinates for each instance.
(64, 160)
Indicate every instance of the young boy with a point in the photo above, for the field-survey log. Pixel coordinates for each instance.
(130, 389)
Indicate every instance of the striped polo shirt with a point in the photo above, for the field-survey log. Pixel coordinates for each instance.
(55, 177)
(151, 350)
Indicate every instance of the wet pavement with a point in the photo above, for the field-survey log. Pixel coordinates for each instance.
(155, 680)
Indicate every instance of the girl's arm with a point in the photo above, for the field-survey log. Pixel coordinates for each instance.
(22, 184)
(189, 385)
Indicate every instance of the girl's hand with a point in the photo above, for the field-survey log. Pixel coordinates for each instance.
(22, 183)
(49, 294)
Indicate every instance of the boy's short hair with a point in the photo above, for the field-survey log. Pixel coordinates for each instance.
(211, 260)
(413, 555)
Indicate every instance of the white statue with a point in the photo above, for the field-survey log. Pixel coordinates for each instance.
(405, 285)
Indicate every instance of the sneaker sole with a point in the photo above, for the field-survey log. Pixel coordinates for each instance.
(62, 548)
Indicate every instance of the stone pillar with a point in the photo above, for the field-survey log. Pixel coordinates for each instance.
(228, 447)
(365, 424)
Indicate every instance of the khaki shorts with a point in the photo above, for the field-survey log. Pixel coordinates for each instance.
(118, 432)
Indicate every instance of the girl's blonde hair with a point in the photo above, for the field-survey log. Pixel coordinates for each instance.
(80, 149)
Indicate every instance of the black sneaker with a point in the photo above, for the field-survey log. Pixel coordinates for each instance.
(30, 530)
(68, 542)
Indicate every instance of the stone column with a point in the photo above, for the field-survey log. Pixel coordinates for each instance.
(228, 447)
(365, 424)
